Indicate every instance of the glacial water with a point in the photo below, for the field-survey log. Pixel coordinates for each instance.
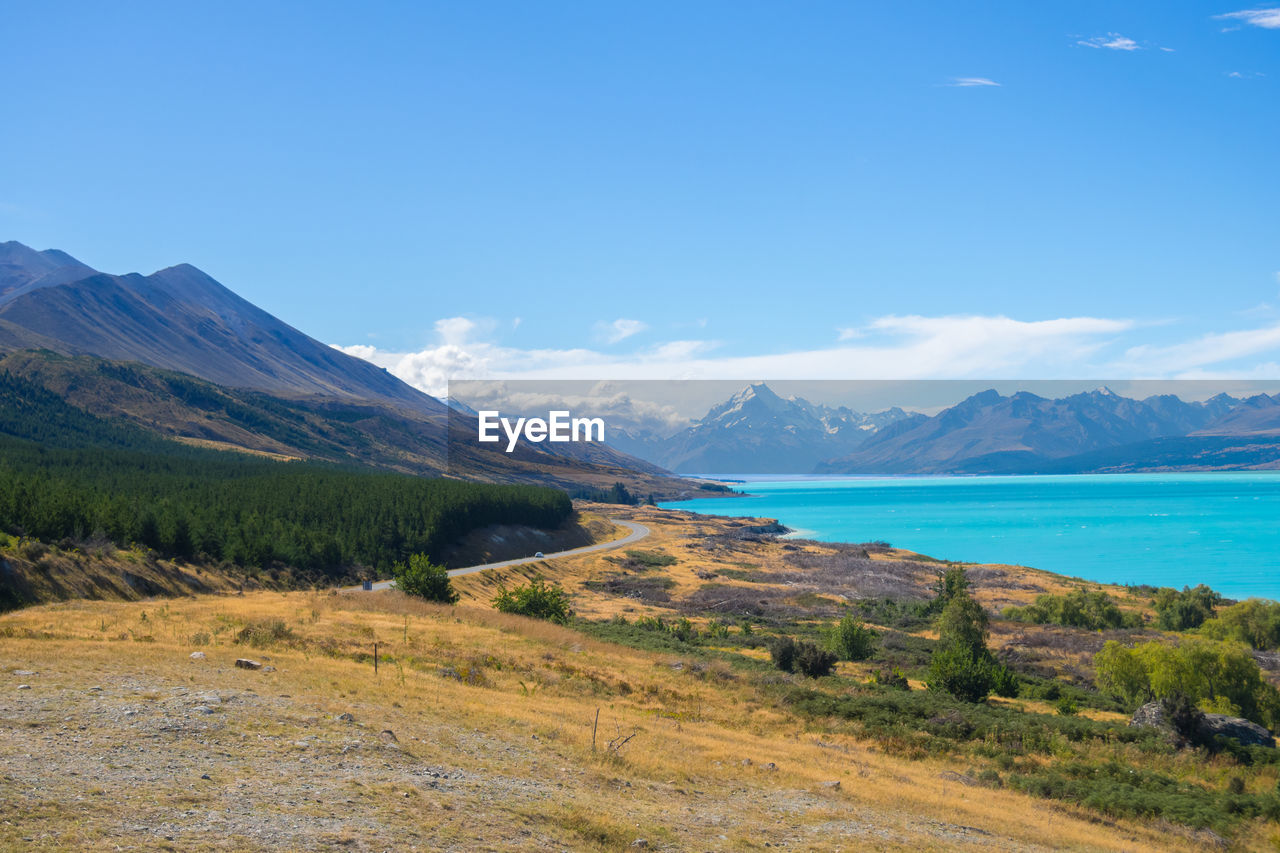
(1222, 529)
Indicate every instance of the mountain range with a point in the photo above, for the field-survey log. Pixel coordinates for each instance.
(184, 356)
(758, 432)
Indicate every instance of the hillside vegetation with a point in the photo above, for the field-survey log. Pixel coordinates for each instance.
(166, 404)
(480, 730)
(68, 477)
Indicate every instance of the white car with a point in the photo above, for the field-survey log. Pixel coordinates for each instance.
(538, 556)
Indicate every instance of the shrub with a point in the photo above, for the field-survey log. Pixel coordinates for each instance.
(805, 658)
(890, 678)
(1004, 681)
(262, 633)
(782, 651)
(536, 599)
(1078, 609)
(951, 582)
(1067, 707)
(1182, 611)
(962, 673)
(963, 623)
(684, 631)
(1255, 622)
(851, 639)
(425, 579)
(813, 661)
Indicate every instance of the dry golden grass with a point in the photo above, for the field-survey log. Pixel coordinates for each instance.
(519, 739)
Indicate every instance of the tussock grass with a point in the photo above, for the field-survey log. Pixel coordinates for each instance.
(681, 774)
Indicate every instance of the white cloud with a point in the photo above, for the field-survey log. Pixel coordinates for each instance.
(455, 330)
(1245, 75)
(1268, 19)
(966, 82)
(1188, 359)
(619, 330)
(1111, 41)
(894, 347)
(890, 347)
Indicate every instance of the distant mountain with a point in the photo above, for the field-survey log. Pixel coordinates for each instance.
(178, 319)
(758, 432)
(990, 433)
(23, 269)
(1255, 416)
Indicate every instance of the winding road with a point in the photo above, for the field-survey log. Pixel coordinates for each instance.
(638, 532)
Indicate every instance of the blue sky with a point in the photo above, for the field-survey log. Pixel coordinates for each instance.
(755, 190)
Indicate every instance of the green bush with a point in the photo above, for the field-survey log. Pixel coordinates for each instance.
(1220, 674)
(1254, 622)
(960, 672)
(1078, 609)
(717, 630)
(813, 661)
(1185, 610)
(802, 657)
(536, 599)
(951, 582)
(1120, 790)
(1067, 707)
(963, 623)
(851, 639)
(684, 631)
(1005, 682)
(961, 664)
(890, 678)
(422, 578)
(782, 651)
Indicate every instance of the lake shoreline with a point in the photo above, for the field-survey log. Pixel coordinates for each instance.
(1157, 529)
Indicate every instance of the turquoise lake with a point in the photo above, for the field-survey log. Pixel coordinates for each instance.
(1221, 529)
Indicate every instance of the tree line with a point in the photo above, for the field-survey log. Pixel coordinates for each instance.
(65, 474)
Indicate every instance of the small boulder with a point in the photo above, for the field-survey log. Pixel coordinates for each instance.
(24, 686)
(1208, 726)
(833, 785)
(197, 655)
(346, 718)
(1245, 732)
(245, 663)
(389, 738)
